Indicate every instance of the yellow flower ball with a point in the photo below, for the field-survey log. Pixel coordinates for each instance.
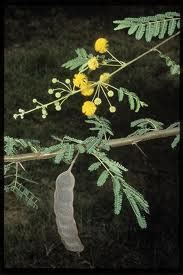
(104, 77)
(88, 108)
(80, 79)
(101, 45)
(93, 63)
(87, 89)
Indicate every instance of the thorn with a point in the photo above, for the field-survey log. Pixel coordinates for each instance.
(134, 143)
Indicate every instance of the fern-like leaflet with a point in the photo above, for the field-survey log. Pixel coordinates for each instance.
(150, 26)
(177, 138)
(114, 170)
(101, 125)
(145, 125)
(134, 101)
(22, 193)
(174, 68)
(102, 178)
(13, 145)
(79, 61)
(94, 166)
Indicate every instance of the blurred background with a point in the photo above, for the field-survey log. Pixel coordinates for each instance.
(38, 40)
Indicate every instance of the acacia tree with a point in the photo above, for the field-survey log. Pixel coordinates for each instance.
(68, 149)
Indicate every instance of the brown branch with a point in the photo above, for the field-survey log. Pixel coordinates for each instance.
(119, 142)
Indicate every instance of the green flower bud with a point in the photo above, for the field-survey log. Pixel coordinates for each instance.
(57, 94)
(97, 101)
(54, 80)
(57, 107)
(110, 93)
(50, 91)
(44, 112)
(112, 109)
(67, 81)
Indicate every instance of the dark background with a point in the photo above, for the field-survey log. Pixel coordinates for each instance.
(38, 40)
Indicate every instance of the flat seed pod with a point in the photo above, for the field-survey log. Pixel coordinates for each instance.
(64, 212)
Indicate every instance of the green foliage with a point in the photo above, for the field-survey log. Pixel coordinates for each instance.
(69, 153)
(102, 178)
(173, 125)
(80, 61)
(174, 68)
(12, 145)
(102, 125)
(60, 155)
(65, 153)
(80, 148)
(177, 138)
(22, 193)
(53, 148)
(141, 219)
(118, 195)
(71, 139)
(94, 166)
(133, 99)
(115, 170)
(145, 125)
(150, 26)
(175, 141)
(91, 143)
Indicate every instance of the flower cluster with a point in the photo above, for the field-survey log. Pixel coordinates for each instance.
(81, 84)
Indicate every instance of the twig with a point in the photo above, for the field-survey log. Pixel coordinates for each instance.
(119, 142)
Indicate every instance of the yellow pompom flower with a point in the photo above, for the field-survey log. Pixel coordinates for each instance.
(101, 45)
(88, 108)
(80, 79)
(105, 77)
(93, 63)
(87, 89)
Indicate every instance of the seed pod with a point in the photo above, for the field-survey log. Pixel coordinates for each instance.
(63, 208)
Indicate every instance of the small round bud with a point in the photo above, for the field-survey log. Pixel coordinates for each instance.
(110, 93)
(67, 81)
(44, 112)
(15, 116)
(20, 110)
(57, 107)
(57, 94)
(34, 100)
(112, 109)
(21, 116)
(97, 101)
(43, 116)
(54, 80)
(50, 91)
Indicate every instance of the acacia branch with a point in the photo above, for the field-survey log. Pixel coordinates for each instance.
(119, 142)
(146, 52)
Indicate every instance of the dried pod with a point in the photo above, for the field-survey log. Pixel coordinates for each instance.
(63, 207)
